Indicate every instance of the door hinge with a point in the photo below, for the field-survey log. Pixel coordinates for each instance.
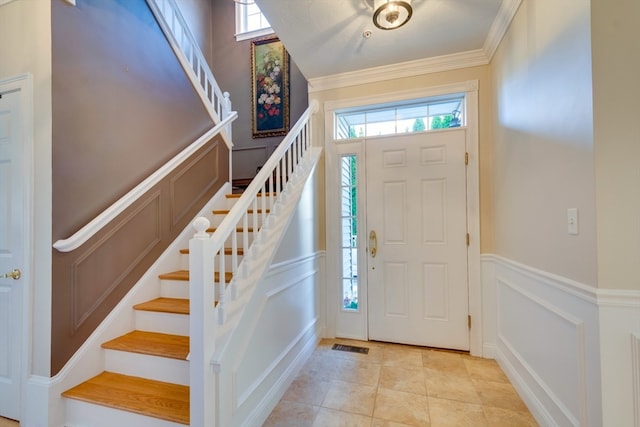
(469, 321)
(468, 238)
(466, 158)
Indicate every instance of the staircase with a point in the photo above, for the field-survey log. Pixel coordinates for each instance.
(147, 370)
(181, 361)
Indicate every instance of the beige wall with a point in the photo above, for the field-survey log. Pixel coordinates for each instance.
(543, 140)
(616, 104)
(25, 31)
(481, 74)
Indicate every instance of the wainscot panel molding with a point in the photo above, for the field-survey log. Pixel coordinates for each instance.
(546, 339)
(279, 330)
(89, 281)
(88, 361)
(619, 314)
(635, 351)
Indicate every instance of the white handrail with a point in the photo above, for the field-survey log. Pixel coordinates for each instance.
(207, 258)
(95, 225)
(183, 43)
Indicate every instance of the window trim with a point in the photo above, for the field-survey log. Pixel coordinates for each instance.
(241, 34)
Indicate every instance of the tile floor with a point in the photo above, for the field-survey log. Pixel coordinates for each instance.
(8, 423)
(399, 386)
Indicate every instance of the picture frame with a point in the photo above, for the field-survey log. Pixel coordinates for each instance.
(269, 88)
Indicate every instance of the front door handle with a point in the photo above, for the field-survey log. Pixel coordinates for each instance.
(15, 274)
(373, 243)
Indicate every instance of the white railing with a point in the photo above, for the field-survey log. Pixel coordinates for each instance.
(109, 214)
(210, 298)
(182, 41)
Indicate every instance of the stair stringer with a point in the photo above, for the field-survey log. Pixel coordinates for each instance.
(89, 360)
(245, 313)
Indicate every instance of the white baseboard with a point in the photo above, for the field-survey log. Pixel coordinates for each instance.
(564, 345)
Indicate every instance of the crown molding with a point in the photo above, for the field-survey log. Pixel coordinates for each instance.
(500, 25)
(400, 70)
(418, 67)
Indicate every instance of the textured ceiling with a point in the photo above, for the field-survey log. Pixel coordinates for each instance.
(325, 37)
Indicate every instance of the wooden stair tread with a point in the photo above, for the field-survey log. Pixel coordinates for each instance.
(238, 229)
(227, 251)
(152, 398)
(165, 305)
(184, 275)
(237, 195)
(151, 343)
(249, 211)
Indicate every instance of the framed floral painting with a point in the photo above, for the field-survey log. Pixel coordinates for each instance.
(269, 88)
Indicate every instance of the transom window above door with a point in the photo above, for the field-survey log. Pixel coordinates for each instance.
(407, 117)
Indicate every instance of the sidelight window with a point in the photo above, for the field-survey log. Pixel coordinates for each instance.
(349, 221)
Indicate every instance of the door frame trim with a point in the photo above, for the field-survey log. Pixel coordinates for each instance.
(23, 83)
(470, 89)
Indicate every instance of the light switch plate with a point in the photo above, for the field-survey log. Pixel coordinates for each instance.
(572, 220)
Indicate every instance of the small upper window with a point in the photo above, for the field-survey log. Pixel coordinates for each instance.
(412, 116)
(250, 22)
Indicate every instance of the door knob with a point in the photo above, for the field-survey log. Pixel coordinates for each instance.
(15, 274)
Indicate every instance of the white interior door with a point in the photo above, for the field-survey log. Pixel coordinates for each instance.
(416, 206)
(12, 223)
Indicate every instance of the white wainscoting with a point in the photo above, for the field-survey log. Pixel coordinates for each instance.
(544, 333)
(619, 315)
(635, 351)
(278, 332)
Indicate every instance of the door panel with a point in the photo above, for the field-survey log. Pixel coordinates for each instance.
(416, 204)
(11, 253)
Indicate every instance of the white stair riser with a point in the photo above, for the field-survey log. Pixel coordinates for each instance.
(82, 414)
(166, 323)
(174, 289)
(184, 261)
(146, 366)
(218, 217)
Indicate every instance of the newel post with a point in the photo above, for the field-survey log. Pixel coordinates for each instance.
(202, 326)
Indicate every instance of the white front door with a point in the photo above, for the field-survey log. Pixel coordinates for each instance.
(12, 223)
(417, 224)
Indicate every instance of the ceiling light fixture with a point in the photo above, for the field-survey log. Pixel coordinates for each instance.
(391, 14)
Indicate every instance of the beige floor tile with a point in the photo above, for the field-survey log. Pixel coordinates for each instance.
(386, 423)
(323, 367)
(499, 395)
(331, 418)
(359, 372)
(485, 369)
(5, 422)
(451, 413)
(403, 378)
(444, 361)
(398, 406)
(402, 355)
(306, 389)
(350, 397)
(507, 418)
(451, 387)
(292, 414)
(386, 388)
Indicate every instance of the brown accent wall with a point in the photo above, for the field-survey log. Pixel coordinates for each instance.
(122, 107)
